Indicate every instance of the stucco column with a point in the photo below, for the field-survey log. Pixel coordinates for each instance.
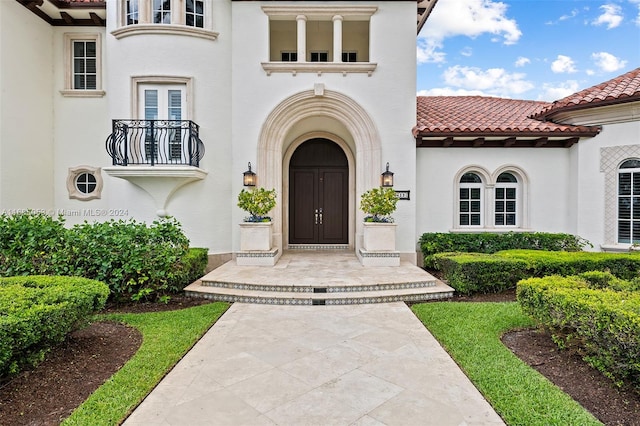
(302, 38)
(337, 38)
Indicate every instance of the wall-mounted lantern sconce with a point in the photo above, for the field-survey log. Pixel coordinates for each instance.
(387, 178)
(249, 177)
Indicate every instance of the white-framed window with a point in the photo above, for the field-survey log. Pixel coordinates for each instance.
(628, 222)
(194, 13)
(470, 205)
(506, 200)
(288, 56)
(176, 17)
(319, 56)
(161, 11)
(83, 65)
(351, 56)
(84, 183)
(488, 202)
(132, 12)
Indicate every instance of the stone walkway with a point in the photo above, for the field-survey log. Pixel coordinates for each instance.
(316, 365)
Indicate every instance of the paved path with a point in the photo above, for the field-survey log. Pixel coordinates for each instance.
(316, 365)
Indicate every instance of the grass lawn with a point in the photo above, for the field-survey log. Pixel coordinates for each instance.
(471, 332)
(167, 336)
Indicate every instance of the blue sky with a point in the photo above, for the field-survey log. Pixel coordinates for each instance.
(526, 49)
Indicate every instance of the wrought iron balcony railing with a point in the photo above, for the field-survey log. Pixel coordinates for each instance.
(155, 142)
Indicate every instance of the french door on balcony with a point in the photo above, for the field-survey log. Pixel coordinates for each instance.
(162, 106)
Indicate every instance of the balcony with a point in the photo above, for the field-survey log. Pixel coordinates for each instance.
(160, 156)
(155, 142)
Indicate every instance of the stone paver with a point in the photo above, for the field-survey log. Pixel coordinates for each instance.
(316, 365)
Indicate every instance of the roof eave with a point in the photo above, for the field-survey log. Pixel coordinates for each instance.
(425, 7)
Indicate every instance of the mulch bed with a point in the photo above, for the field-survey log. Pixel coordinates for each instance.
(71, 372)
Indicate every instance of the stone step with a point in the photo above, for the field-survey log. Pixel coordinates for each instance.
(436, 291)
(335, 287)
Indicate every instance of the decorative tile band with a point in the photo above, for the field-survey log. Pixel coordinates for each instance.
(374, 254)
(298, 302)
(310, 289)
(259, 287)
(318, 247)
(271, 253)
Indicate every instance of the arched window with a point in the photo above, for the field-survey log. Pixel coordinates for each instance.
(470, 203)
(506, 200)
(629, 202)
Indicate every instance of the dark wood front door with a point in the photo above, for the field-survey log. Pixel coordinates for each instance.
(318, 194)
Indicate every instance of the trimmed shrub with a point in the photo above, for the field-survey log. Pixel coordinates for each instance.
(432, 243)
(137, 261)
(37, 312)
(485, 273)
(471, 273)
(31, 243)
(603, 324)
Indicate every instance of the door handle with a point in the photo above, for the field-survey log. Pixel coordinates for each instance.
(321, 216)
(316, 214)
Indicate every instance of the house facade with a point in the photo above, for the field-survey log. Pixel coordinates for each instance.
(139, 109)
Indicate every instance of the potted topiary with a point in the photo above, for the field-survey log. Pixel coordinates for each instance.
(379, 230)
(255, 231)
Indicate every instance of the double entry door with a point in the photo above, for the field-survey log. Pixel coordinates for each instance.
(318, 194)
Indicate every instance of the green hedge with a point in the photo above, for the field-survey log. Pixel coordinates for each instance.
(602, 323)
(432, 243)
(37, 312)
(486, 273)
(137, 261)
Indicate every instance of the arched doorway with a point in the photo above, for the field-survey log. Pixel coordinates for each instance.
(318, 194)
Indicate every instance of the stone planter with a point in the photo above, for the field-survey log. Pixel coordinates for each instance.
(379, 236)
(379, 245)
(255, 236)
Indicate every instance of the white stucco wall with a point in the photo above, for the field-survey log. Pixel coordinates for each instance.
(202, 207)
(26, 110)
(387, 96)
(593, 199)
(548, 172)
(81, 125)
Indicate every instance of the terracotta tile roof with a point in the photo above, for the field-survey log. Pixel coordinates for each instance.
(624, 88)
(487, 116)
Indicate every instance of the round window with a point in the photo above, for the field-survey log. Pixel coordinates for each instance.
(86, 183)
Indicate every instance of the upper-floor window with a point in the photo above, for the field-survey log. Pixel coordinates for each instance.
(195, 13)
(629, 202)
(324, 38)
(178, 17)
(82, 58)
(161, 11)
(131, 12)
(319, 56)
(85, 71)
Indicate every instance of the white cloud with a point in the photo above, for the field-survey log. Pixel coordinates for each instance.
(493, 81)
(607, 62)
(563, 64)
(637, 3)
(448, 91)
(612, 16)
(470, 18)
(467, 51)
(554, 91)
(522, 61)
(573, 14)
